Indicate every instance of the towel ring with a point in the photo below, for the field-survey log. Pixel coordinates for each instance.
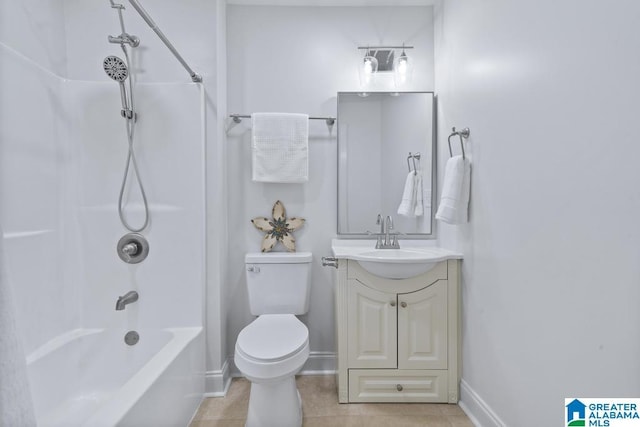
(464, 133)
(414, 157)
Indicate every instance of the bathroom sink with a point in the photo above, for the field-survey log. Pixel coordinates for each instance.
(396, 263)
(393, 263)
(403, 256)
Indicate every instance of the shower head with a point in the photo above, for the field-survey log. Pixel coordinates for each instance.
(115, 68)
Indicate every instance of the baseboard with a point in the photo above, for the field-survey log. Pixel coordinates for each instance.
(480, 414)
(216, 383)
(318, 363)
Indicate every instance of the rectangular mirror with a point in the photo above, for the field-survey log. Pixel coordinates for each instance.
(376, 133)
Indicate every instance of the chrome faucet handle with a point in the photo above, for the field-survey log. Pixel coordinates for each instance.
(378, 238)
(394, 243)
(381, 223)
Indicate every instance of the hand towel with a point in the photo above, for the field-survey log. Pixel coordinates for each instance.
(408, 203)
(280, 147)
(16, 406)
(454, 203)
(418, 209)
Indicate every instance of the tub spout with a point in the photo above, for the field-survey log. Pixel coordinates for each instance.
(128, 298)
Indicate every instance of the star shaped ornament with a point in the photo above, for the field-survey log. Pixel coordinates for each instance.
(278, 228)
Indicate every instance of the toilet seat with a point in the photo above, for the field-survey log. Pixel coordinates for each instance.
(272, 338)
(272, 347)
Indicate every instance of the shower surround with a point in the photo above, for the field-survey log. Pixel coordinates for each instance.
(62, 151)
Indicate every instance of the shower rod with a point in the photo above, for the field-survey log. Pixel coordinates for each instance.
(143, 13)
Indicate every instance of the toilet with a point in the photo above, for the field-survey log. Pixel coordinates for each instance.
(274, 347)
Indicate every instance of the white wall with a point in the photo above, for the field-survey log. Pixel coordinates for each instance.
(33, 158)
(551, 273)
(35, 28)
(296, 59)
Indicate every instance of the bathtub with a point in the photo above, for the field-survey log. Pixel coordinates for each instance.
(90, 377)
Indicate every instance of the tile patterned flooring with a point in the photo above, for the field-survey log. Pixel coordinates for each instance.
(320, 408)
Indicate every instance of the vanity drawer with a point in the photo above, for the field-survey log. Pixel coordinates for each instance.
(392, 385)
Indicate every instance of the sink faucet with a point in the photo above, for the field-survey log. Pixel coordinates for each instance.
(128, 298)
(388, 222)
(386, 226)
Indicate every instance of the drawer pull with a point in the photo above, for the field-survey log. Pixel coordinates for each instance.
(399, 387)
(393, 303)
(403, 304)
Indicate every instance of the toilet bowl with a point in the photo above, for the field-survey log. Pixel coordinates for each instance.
(269, 352)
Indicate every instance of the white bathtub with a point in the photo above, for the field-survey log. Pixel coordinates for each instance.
(90, 377)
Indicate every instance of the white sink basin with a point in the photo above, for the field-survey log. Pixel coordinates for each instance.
(393, 263)
(396, 263)
(402, 256)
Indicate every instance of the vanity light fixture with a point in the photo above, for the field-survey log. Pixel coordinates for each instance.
(402, 69)
(384, 59)
(381, 58)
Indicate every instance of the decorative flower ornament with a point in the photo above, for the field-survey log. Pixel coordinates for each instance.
(278, 229)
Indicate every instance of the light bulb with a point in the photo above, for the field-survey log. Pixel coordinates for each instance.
(402, 65)
(368, 66)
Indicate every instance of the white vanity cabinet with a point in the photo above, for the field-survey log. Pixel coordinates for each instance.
(398, 339)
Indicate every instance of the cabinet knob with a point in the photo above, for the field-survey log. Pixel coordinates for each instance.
(393, 303)
(403, 304)
(399, 387)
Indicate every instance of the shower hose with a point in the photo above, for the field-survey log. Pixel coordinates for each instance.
(131, 161)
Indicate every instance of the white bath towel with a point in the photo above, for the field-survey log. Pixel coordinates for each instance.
(16, 407)
(454, 202)
(280, 147)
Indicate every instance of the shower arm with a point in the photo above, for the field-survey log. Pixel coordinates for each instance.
(143, 13)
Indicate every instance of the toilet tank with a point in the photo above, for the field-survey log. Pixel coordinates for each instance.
(278, 282)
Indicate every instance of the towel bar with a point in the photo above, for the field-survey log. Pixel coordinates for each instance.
(237, 118)
(464, 133)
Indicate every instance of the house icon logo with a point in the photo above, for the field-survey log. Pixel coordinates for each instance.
(576, 413)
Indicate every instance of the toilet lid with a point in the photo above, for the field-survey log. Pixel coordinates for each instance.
(272, 337)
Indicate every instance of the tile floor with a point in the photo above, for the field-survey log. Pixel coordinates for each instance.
(320, 407)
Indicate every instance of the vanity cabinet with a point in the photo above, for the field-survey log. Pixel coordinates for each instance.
(397, 339)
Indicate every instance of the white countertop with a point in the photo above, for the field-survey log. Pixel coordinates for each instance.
(355, 249)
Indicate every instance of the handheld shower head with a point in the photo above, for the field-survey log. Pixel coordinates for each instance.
(117, 69)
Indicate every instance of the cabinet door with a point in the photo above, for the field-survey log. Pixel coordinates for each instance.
(422, 328)
(372, 324)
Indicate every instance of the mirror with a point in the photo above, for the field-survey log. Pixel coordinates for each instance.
(376, 133)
